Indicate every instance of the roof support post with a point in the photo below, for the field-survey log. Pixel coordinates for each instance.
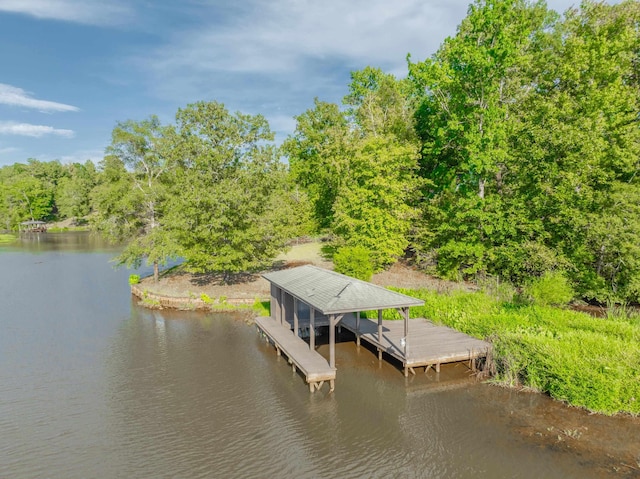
(312, 328)
(405, 315)
(283, 310)
(380, 334)
(358, 328)
(332, 341)
(333, 322)
(295, 316)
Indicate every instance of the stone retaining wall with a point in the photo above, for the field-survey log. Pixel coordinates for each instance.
(194, 303)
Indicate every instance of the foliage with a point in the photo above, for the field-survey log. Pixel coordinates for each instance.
(586, 361)
(550, 289)
(231, 202)
(134, 279)
(318, 153)
(133, 193)
(354, 261)
(262, 308)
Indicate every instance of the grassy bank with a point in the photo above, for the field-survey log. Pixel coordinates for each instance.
(588, 362)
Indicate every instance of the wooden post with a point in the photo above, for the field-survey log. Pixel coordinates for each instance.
(380, 334)
(295, 317)
(358, 328)
(312, 328)
(332, 341)
(283, 309)
(405, 314)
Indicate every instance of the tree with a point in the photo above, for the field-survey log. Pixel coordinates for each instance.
(374, 208)
(579, 146)
(381, 105)
(318, 154)
(472, 88)
(230, 210)
(24, 195)
(73, 191)
(132, 196)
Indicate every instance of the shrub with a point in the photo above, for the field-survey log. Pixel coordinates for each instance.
(354, 261)
(134, 279)
(205, 298)
(552, 288)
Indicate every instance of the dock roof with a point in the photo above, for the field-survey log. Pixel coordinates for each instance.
(334, 293)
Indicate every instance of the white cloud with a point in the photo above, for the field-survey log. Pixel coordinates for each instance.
(95, 12)
(275, 57)
(8, 149)
(35, 131)
(80, 156)
(14, 96)
(281, 35)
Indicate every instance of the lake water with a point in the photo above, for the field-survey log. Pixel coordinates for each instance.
(92, 385)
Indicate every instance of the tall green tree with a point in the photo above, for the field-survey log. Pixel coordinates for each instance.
(381, 105)
(230, 207)
(374, 207)
(26, 194)
(318, 152)
(132, 202)
(73, 193)
(471, 91)
(579, 145)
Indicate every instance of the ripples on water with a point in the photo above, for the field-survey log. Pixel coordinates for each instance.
(93, 386)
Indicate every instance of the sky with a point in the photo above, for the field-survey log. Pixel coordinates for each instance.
(71, 69)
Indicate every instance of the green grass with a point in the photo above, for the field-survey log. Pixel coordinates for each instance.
(6, 239)
(262, 308)
(64, 229)
(586, 361)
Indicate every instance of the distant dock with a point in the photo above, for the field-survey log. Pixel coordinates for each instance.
(308, 297)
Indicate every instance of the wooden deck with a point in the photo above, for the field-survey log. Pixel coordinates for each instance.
(427, 344)
(315, 368)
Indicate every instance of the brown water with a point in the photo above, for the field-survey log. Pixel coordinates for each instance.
(91, 385)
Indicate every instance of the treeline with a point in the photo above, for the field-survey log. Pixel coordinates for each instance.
(512, 152)
(45, 191)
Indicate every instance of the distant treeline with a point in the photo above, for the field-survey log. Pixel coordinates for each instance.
(512, 152)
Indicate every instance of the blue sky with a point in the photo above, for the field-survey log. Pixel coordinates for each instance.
(70, 69)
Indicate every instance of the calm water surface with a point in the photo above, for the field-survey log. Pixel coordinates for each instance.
(91, 385)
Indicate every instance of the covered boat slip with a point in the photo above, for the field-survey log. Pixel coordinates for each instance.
(308, 297)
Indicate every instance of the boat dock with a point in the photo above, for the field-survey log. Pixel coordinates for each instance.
(314, 367)
(308, 297)
(428, 345)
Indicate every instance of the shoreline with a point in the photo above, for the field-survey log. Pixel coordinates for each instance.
(193, 302)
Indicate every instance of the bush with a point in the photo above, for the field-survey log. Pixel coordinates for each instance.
(134, 279)
(354, 261)
(550, 289)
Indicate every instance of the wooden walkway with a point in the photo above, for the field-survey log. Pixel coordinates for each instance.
(427, 344)
(315, 368)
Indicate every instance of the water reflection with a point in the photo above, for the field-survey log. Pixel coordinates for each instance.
(72, 241)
